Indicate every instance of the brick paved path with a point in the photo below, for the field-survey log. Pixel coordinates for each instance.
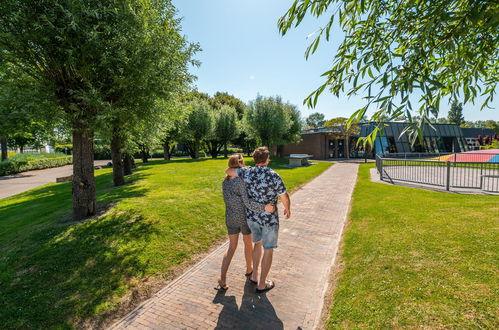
(308, 243)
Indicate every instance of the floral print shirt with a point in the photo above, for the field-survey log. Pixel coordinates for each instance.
(263, 185)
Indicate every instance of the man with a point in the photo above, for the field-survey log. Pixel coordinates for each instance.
(264, 186)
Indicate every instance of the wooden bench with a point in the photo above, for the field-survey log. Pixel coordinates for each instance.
(297, 160)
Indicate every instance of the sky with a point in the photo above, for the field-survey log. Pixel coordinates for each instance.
(244, 54)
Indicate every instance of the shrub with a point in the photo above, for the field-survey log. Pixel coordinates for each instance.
(64, 148)
(102, 152)
(12, 166)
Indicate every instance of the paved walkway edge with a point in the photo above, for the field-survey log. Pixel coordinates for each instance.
(321, 208)
(321, 319)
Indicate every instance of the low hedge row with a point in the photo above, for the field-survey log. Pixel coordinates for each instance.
(17, 166)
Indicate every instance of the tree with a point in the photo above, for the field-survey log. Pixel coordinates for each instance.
(226, 127)
(224, 130)
(267, 120)
(272, 122)
(455, 115)
(199, 125)
(315, 120)
(292, 135)
(28, 113)
(90, 54)
(393, 48)
(224, 98)
(343, 130)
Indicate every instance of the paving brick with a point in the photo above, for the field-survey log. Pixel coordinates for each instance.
(308, 243)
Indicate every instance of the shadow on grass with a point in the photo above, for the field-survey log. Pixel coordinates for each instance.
(74, 272)
(54, 273)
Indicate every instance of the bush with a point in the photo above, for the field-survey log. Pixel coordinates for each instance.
(30, 156)
(102, 152)
(12, 166)
(64, 148)
(494, 145)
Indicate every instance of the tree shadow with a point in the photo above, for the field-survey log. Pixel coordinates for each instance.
(55, 273)
(15, 176)
(57, 197)
(255, 312)
(71, 272)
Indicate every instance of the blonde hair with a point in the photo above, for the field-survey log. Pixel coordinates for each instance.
(235, 161)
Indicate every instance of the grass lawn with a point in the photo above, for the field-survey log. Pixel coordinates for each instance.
(415, 258)
(55, 273)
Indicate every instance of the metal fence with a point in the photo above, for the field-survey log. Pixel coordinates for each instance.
(465, 157)
(449, 174)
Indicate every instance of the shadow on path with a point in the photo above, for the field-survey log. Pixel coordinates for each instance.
(255, 312)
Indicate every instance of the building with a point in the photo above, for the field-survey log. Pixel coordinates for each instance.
(476, 137)
(325, 143)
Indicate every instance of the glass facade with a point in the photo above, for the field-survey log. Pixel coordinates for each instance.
(436, 138)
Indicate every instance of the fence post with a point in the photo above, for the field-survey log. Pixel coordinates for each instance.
(447, 183)
(380, 168)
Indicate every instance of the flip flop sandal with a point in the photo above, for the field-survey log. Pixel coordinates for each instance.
(221, 288)
(248, 274)
(254, 282)
(269, 285)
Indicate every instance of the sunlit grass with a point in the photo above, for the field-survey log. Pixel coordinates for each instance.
(55, 273)
(417, 258)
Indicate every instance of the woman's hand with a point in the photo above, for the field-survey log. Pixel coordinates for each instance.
(269, 208)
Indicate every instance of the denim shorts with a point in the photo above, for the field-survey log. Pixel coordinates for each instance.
(267, 234)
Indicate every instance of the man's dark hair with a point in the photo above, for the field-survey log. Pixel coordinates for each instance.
(260, 155)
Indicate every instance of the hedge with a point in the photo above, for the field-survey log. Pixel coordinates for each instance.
(12, 166)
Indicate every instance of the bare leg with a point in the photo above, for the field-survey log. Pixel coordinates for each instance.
(257, 255)
(248, 253)
(228, 258)
(266, 263)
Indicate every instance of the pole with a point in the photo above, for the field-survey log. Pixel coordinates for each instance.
(447, 182)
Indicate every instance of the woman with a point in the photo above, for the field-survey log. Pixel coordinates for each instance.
(236, 201)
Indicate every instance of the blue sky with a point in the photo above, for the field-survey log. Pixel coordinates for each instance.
(244, 54)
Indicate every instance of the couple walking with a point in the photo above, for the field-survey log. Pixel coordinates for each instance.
(250, 195)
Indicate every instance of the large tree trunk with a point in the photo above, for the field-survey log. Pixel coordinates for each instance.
(170, 152)
(117, 159)
(226, 152)
(83, 171)
(144, 154)
(166, 150)
(279, 151)
(127, 164)
(3, 143)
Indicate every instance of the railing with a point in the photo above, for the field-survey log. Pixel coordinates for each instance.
(465, 157)
(448, 174)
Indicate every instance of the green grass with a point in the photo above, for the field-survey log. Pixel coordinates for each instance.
(29, 156)
(54, 273)
(415, 258)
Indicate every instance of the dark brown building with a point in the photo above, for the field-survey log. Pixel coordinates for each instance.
(321, 144)
(325, 143)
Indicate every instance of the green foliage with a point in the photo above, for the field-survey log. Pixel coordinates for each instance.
(455, 115)
(483, 124)
(273, 122)
(224, 98)
(292, 135)
(61, 274)
(417, 259)
(315, 120)
(18, 164)
(64, 148)
(199, 125)
(392, 49)
(224, 130)
(28, 112)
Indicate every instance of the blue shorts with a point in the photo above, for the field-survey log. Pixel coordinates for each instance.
(267, 234)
